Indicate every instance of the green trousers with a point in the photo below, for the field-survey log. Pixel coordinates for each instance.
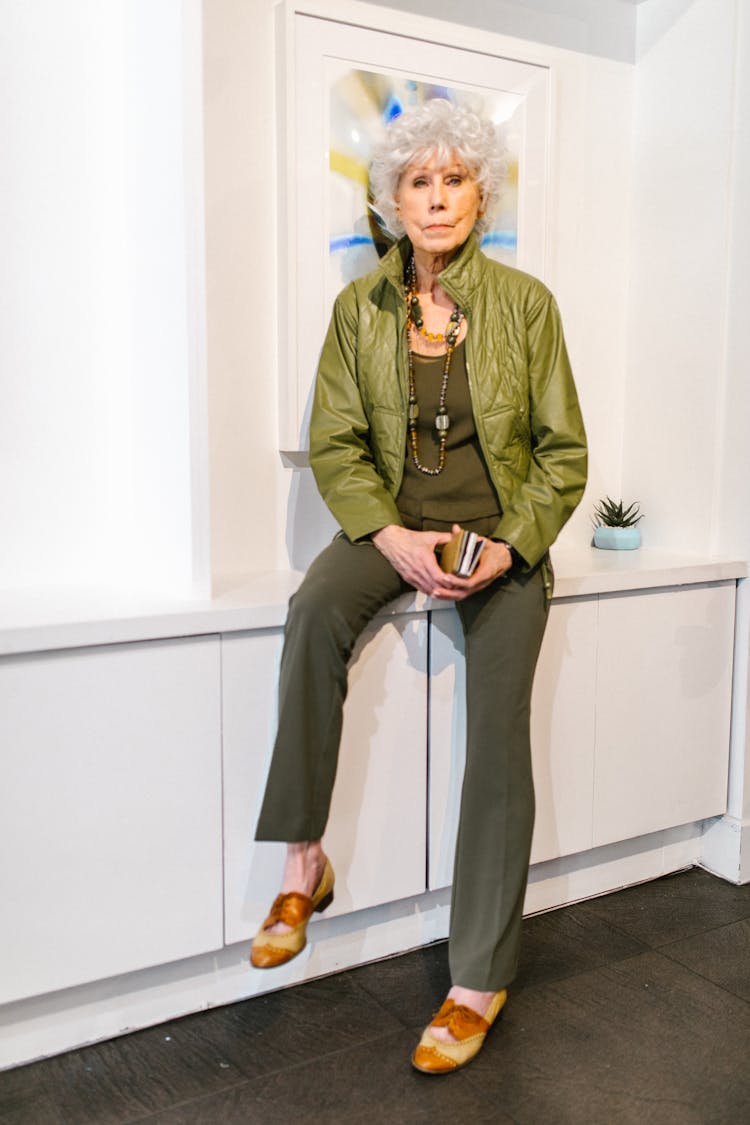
(503, 625)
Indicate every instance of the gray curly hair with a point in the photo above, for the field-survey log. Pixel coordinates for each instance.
(440, 128)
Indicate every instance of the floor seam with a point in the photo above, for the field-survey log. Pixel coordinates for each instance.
(395, 1015)
(672, 941)
(702, 933)
(248, 1081)
(151, 1114)
(614, 926)
(708, 980)
(579, 972)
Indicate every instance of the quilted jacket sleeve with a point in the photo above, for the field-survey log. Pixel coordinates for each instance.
(540, 506)
(340, 454)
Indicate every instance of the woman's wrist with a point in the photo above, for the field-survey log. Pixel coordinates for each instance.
(509, 548)
(383, 535)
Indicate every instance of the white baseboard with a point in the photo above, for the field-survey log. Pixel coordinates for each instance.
(726, 848)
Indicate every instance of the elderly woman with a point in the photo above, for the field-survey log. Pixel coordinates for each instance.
(444, 401)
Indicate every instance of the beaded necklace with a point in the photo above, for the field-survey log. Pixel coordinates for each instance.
(414, 319)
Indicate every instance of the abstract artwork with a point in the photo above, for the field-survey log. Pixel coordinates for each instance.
(342, 85)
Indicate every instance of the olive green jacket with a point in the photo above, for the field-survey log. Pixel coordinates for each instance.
(524, 400)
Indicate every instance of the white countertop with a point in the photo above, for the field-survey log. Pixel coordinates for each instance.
(38, 620)
(587, 570)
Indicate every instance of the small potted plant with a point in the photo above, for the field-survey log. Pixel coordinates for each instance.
(615, 526)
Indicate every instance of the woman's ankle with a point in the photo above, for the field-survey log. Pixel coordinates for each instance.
(479, 1002)
(303, 867)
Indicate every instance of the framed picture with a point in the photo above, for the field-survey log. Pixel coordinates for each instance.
(343, 85)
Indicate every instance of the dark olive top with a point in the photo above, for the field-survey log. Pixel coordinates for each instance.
(463, 493)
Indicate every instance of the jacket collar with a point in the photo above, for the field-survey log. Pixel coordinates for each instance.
(460, 279)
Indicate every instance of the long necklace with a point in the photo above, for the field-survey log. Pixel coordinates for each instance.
(414, 319)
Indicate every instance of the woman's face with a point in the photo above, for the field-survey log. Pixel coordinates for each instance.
(437, 204)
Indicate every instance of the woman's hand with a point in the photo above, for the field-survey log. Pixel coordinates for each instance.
(494, 561)
(412, 554)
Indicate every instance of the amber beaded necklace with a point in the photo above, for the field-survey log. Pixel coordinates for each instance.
(414, 319)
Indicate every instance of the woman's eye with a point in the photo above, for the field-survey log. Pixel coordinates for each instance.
(454, 181)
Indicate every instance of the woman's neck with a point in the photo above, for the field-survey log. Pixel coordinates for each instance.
(429, 267)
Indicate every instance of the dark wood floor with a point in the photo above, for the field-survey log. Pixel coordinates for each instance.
(634, 1008)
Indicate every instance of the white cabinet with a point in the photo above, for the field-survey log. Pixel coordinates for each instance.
(563, 731)
(663, 707)
(250, 672)
(110, 807)
(110, 811)
(629, 725)
(376, 833)
(113, 779)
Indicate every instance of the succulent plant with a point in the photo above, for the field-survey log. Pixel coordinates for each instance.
(609, 513)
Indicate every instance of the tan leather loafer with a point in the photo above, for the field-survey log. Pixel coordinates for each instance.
(293, 909)
(469, 1030)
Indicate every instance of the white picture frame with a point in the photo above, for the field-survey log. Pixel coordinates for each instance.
(320, 57)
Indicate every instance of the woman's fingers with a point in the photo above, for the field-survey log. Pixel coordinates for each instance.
(412, 554)
(495, 561)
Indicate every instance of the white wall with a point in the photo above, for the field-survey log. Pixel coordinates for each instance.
(731, 524)
(685, 95)
(686, 453)
(98, 342)
(732, 514)
(247, 480)
(731, 517)
(595, 27)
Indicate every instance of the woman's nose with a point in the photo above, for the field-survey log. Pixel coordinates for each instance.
(437, 195)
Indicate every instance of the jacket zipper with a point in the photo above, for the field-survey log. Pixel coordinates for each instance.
(403, 383)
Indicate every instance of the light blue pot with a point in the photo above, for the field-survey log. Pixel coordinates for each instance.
(617, 538)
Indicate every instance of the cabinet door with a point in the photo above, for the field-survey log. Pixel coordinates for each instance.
(563, 731)
(562, 734)
(376, 836)
(663, 707)
(110, 811)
